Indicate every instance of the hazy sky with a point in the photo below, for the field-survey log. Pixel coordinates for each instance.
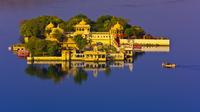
(129, 3)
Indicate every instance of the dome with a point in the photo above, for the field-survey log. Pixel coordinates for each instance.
(50, 26)
(118, 26)
(82, 22)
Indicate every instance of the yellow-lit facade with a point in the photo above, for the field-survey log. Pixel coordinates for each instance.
(109, 38)
(82, 28)
(51, 32)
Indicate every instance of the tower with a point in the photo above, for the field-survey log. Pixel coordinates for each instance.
(117, 31)
(82, 28)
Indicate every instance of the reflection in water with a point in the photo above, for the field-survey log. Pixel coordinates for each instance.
(53, 72)
(79, 70)
(58, 70)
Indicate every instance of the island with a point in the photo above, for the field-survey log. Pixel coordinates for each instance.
(109, 38)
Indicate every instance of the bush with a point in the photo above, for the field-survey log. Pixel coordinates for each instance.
(80, 41)
(40, 47)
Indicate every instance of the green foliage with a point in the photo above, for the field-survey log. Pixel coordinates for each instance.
(109, 48)
(36, 46)
(129, 32)
(138, 31)
(30, 28)
(135, 31)
(80, 41)
(36, 27)
(53, 49)
(58, 34)
(40, 47)
(64, 25)
(69, 25)
(105, 22)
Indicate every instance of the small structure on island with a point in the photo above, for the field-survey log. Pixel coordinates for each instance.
(52, 32)
(82, 28)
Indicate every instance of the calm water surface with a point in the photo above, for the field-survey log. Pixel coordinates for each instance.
(147, 88)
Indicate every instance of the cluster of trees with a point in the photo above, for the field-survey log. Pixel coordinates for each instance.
(106, 48)
(36, 27)
(68, 25)
(41, 47)
(136, 31)
(54, 72)
(81, 42)
(104, 23)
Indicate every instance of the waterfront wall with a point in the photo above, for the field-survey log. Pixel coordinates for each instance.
(161, 42)
(43, 58)
(117, 56)
(155, 49)
(86, 57)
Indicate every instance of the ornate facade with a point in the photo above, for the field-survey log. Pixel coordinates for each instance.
(111, 37)
(51, 32)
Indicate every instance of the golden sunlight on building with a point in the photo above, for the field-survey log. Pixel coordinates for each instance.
(109, 38)
(82, 29)
(51, 32)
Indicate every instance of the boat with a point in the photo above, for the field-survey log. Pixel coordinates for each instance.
(137, 46)
(22, 53)
(168, 65)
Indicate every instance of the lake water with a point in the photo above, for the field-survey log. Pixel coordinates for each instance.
(147, 87)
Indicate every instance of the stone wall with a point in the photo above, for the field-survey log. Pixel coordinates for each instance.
(162, 42)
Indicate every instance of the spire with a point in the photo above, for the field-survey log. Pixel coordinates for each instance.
(82, 22)
(118, 26)
(50, 26)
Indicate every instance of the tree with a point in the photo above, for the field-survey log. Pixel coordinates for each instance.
(80, 41)
(36, 46)
(105, 22)
(53, 49)
(40, 47)
(138, 31)
(36, 27)
(69, 25)
(58, 33)
(129, 32)
(30, 28)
